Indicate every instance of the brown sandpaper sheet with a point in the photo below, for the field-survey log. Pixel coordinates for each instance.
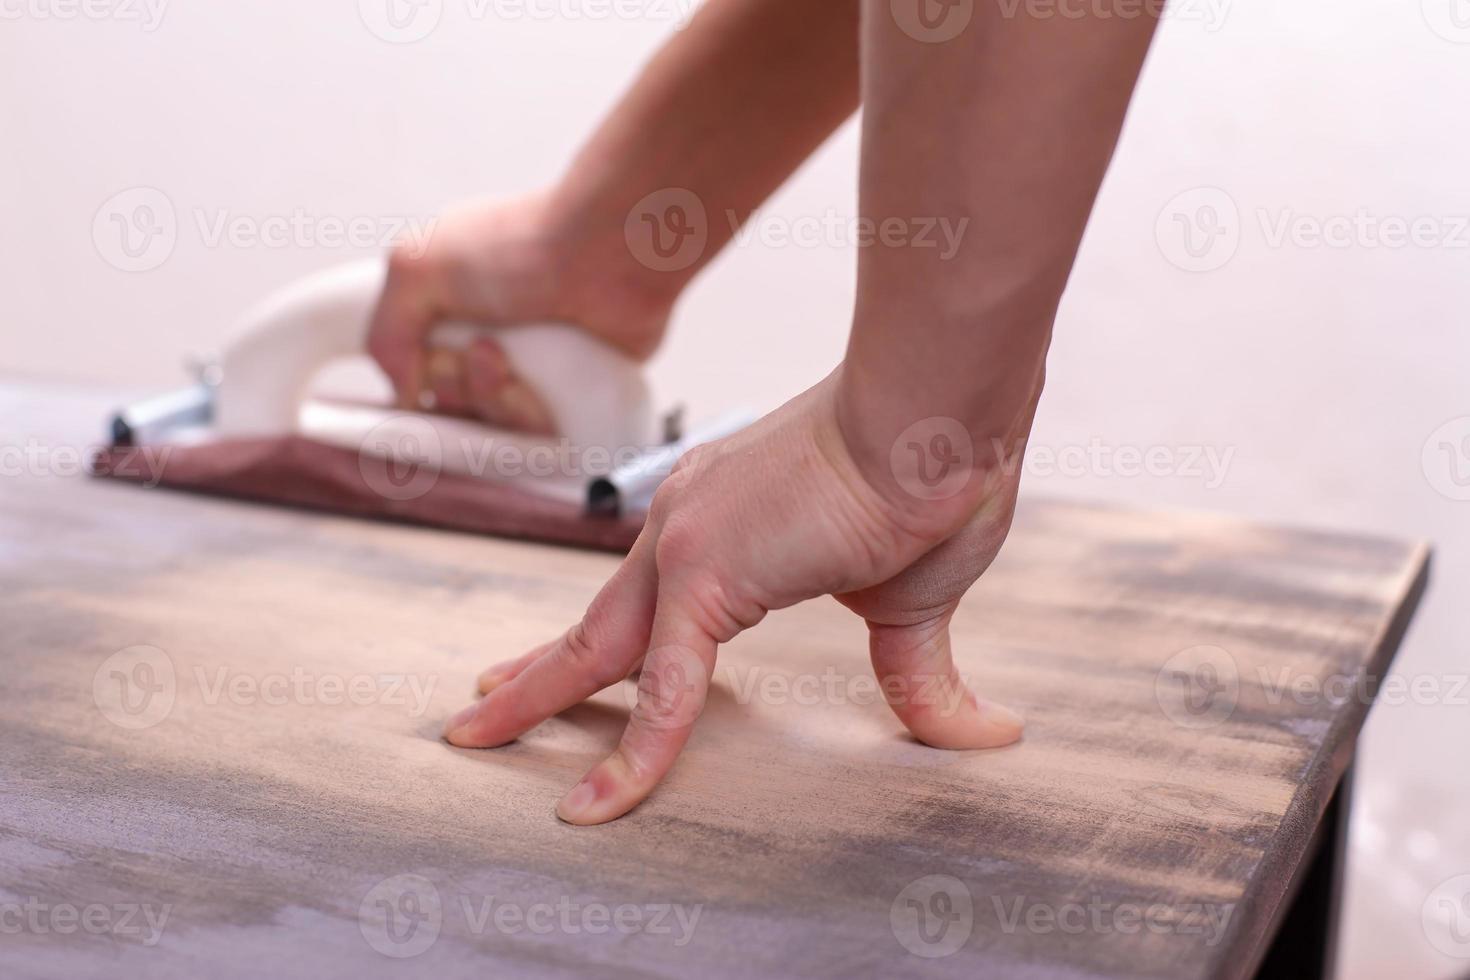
(299, 472)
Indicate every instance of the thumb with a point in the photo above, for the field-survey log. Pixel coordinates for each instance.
(921, 684)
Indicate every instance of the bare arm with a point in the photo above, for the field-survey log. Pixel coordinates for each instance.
(1008, 127)
(728, 108)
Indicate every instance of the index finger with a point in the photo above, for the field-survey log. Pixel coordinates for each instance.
(672, 689)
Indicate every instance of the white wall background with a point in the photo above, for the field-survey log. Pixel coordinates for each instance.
(1324, 369)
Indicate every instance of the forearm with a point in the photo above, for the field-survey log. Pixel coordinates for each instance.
(726, 110)
(1005, 132)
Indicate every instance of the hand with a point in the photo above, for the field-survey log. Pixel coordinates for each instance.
(762, 520)
(503, 264)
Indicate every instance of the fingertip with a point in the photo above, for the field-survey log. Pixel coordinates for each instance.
(574, 807)
(977, 724)
(403, 376)
(502, 673)
(606, 793)
(498, 675)
(476, 728)
(489, 680)
(454, 728)
(1006, 716)
(393, 344)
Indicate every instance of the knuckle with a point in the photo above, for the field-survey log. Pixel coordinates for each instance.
(670, 695)
(682, 555)
(905, 651)
(380, 347)
(579, 648)
(694, 464)
(664, 503)
(406, 264)
(685, 466)
(680, 544)
(706, 602)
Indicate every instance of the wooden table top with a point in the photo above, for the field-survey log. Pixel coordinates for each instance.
(219, 749)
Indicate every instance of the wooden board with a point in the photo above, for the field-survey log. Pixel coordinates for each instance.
(290, 804)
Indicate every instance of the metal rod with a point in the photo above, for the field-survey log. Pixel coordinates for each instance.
(630, 487)
(148, 420)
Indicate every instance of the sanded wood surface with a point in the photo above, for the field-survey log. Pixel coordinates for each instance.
(291, 807)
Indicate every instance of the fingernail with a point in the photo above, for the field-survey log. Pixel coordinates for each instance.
(454, 724)
(574, 805)
(1000, 714)
(1000, 725)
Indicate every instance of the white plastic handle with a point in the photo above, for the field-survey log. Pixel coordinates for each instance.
(597, 395)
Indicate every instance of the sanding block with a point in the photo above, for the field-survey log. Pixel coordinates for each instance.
(250, 427)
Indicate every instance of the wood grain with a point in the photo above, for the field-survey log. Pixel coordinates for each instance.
(795, 822)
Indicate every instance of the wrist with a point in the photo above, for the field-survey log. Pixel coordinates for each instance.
(934, 471)
(600, 281)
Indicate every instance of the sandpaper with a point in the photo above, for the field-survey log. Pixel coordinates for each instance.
(297, 471)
